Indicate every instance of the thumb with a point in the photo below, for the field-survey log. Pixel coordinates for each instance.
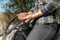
(26, 21)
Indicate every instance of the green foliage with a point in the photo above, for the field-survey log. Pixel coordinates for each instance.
(25, 5)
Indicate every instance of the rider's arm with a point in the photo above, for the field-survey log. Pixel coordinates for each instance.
(46, 10)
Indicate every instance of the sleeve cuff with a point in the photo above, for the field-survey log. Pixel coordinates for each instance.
(44, 11)
(48, 9)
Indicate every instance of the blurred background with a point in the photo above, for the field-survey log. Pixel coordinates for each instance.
(10, 8)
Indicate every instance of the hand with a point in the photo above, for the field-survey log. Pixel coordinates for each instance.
(21, 15)
(27, 19)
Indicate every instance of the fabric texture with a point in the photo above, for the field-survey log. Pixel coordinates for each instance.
(48, 8)
(42, 32)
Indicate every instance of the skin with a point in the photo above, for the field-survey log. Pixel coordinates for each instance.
(27, 17)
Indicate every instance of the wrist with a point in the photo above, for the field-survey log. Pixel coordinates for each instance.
(33, 17)
(30, 13)
(37, 15)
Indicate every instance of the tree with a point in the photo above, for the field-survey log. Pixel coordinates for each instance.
(25, 5)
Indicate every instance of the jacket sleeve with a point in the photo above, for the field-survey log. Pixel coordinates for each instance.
(50, 7)
(35, 7)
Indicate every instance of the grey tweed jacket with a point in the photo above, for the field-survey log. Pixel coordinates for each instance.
(48, 8)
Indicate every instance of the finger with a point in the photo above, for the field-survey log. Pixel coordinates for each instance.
(27, 21)
(22, 15)
(19, 17)
(24, 18)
